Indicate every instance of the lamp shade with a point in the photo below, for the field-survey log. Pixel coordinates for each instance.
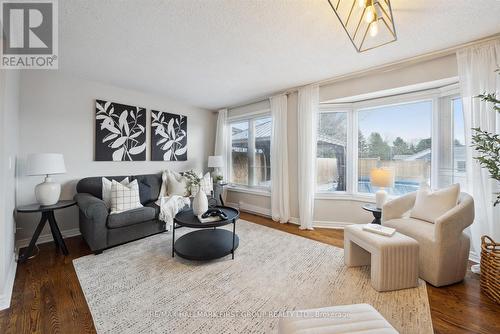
(215, 161)
(45, 164)
(381, 177)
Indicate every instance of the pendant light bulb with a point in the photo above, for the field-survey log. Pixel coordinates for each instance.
(362, 3)
(374, 28)
(370, 14)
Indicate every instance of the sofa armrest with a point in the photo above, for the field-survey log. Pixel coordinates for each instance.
(398, 207)
(451, 224)
(91, 206)
(93, 217)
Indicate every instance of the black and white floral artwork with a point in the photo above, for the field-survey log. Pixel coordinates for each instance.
(168, 136)
(120, 132)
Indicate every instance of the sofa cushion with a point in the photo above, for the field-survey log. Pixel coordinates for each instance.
(93, 185)
(154, 182)
(417, 229)
(144, 192)
(130, 217)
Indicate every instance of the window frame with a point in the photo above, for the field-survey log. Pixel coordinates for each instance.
(250, 117)
(438, 97)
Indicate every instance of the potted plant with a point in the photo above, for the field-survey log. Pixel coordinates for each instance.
(487, 145)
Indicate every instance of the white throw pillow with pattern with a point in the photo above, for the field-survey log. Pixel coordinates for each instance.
(106, 190)
(123, 197)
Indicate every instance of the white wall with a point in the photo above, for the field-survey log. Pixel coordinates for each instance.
(57, 115)
(9, 108)
(338, 212)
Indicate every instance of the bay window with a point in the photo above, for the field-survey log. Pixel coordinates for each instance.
(419, 136)
(397, 137)
(331, 151)
(250, 160)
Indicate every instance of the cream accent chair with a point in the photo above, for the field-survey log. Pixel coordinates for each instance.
(444, 247)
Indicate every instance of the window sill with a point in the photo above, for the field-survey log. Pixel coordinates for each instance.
(247, 190)
(357, 197)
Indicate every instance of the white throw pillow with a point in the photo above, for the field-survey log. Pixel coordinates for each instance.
(176, 184)
(124, 198)
(106, 190)
(430, 205)
(206, 184)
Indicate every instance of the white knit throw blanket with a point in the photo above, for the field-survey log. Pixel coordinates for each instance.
(169, 206)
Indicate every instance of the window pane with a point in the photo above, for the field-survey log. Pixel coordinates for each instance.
(458, 143)
(397, 137)
(239, 153)
(262, 152)
(331, 152)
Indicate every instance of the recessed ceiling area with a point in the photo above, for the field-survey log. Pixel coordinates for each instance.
(217, 53)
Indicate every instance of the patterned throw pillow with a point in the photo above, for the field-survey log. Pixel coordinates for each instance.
(106, 190)
(124, 198)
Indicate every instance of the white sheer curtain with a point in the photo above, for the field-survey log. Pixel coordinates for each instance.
(476, 68)
(307, 116)
(280, 198)
(221, 141)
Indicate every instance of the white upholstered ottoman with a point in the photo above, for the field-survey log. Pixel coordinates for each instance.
(358, 318)
(393, 260)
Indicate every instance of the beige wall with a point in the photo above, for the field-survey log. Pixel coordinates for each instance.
(57, 115)
(337, 212)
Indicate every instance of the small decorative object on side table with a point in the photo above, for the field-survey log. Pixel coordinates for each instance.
(377, 213)
(47, 215)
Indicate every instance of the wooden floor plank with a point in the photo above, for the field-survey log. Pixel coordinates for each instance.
(47, 296)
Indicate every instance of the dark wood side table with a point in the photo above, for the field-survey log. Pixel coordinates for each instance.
(218, 192)
(47, 215)
(377, 213)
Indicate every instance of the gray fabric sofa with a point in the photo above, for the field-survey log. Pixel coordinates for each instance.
(102, 230)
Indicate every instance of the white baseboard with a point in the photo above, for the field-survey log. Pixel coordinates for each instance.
(6, 296)
(249, 208)
(44, 238)
(474, 257)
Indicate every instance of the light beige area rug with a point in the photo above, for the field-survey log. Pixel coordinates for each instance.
(140, 288)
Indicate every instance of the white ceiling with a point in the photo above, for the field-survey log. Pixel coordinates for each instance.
(215, 53)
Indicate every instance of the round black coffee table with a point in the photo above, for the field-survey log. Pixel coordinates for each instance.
(208, 242)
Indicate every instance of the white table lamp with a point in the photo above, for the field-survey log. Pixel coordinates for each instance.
(382, 178)
(47, 192)
(215, 161)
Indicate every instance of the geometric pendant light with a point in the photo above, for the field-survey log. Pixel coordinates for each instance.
(368, 23)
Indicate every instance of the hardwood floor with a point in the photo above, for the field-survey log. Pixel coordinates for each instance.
(47, 297)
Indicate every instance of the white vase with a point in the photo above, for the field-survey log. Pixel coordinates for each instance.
(200, 203)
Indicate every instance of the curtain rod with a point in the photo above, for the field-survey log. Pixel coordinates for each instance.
(379, 68)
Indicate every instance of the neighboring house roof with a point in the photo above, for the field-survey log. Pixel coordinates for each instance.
(458, 154)
(422, 155)
(327, 139)
(263, 132)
